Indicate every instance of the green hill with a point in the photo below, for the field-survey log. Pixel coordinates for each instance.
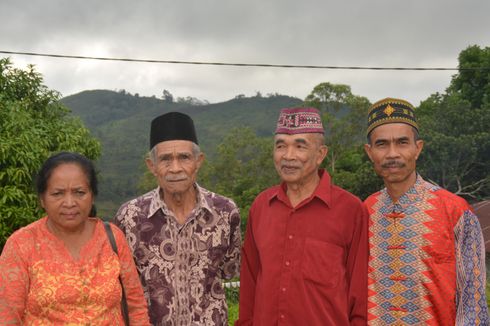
(121, 122)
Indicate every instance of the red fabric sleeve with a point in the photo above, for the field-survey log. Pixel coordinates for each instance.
(250, 265)
(357, 264)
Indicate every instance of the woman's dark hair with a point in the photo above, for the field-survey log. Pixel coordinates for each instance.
(66, 158)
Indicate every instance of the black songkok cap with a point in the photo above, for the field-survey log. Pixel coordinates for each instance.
(172, 126)
(390, 110)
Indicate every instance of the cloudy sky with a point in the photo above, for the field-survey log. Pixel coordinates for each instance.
(383, 33)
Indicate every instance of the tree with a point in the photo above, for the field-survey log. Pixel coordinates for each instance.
(344, 116)
(242, 168)
(33, 125)
(167, 96)
(355, 173)
(189, 100)
(473, 85)
(455, 125)
(456, 154)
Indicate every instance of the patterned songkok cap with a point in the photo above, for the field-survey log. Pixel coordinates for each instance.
(299, 121)
(390, 110)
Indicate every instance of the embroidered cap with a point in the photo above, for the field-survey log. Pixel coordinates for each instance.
(172, 126)
(390, 110)
(299, 121)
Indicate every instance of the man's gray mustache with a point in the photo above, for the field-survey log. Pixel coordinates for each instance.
(176, 177)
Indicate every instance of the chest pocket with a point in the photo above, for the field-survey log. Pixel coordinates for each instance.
(322, 263)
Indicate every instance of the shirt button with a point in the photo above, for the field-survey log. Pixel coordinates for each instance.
(290, 236)
(283, 289)
(282, 316)
(287, 263)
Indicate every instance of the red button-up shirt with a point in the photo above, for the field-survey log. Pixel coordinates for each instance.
(305, 265)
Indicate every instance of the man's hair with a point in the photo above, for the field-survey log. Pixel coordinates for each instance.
(415, 135)
(196, 150)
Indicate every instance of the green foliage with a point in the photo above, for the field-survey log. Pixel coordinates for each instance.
(232, 294)
(33, 125)
(242, 168)
(232, 313)
(488, 293)
(454, 126)
(344, 119)
(473, 85)
(232, 299)
(355, 173)
(343, 115)
(122, 123)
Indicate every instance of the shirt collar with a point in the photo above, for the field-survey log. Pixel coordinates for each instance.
(413, 194)
(322, 191)
(156, 202)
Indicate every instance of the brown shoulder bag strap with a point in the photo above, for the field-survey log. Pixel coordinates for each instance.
(124, 304)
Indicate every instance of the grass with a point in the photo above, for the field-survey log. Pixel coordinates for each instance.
(232, 313)
(232, 296)
(488, 293)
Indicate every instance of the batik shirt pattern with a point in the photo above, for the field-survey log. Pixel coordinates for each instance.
(427, 263)
(182, 266)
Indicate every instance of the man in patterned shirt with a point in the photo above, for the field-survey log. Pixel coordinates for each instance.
(184, 238)
(426, 264)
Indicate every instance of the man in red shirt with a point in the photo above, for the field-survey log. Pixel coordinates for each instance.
(304, 260)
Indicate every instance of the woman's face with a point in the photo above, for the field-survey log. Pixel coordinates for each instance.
(68, 198)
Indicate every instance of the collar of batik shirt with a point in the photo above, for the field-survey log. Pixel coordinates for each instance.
(157, 203)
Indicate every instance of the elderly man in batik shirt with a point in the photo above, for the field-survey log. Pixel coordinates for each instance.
(185, 239)
(426, 264)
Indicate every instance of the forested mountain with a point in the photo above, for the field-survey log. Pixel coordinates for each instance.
(454, 126)
(236, 136)
(121, 121)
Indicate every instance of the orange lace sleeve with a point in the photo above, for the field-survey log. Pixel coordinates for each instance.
(14, 279)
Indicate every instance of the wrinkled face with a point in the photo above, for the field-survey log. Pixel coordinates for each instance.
(68, 198)
(298, 157)
(394, 152)
(176, 166)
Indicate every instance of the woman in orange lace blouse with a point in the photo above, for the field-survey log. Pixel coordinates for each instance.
(61, 269)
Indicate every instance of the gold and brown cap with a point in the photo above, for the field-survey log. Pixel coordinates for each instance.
(391, 110)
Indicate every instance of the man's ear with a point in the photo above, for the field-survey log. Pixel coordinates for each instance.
(367, 149)
(200, 160)
(323, 153)
(420, 145)
(150, 165)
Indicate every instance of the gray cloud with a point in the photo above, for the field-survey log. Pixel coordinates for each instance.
(362, 33)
